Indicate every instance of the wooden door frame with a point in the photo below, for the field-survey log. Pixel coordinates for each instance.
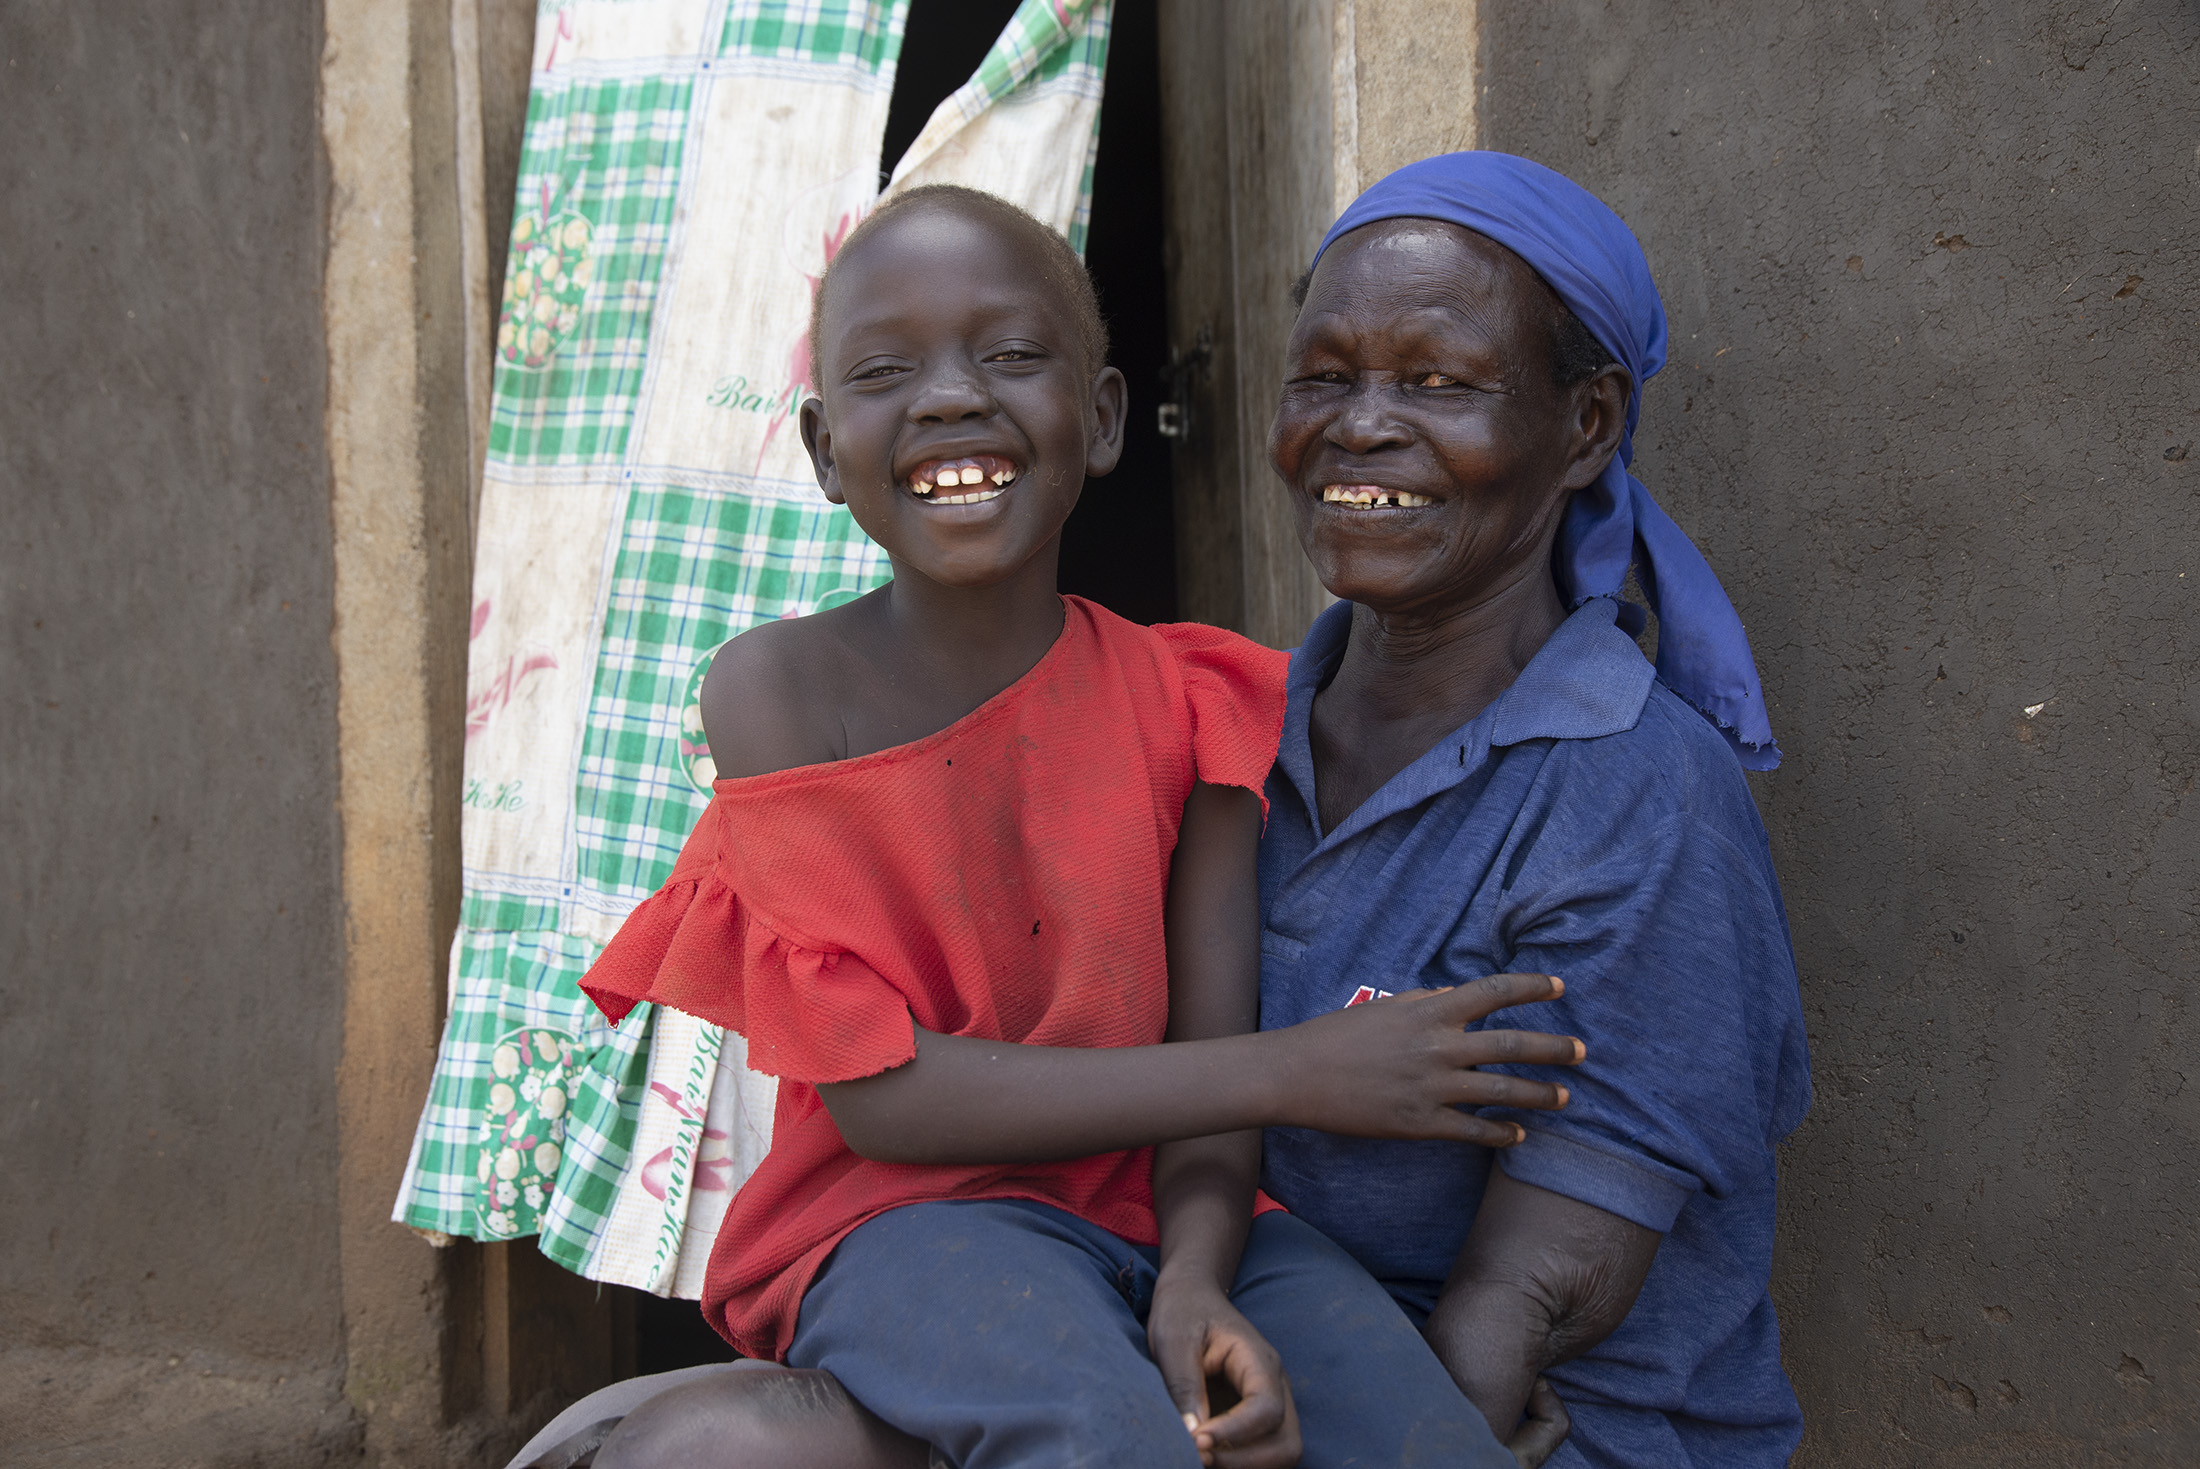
(454, 1351)
(1273, 113)
(1249, 140)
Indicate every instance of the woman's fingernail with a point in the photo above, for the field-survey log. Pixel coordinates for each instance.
(1564, 1096)
(1191, 1423)
(1520, 1134)
(1581, 1052)
(1558, 986)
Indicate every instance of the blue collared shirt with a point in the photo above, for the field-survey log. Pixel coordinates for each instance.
(1587, 824)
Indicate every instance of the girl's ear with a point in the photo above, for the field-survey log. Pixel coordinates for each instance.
(1110, 403)
(818, 440)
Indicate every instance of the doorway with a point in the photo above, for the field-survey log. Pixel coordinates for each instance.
(1120, 547)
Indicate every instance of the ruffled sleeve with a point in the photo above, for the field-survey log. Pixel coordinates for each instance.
(1233, 693)
(809, 1013)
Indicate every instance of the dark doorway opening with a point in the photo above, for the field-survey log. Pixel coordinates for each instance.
(1120, 546)
(671, 1333)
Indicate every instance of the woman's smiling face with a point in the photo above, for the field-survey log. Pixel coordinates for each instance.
(1426, 445)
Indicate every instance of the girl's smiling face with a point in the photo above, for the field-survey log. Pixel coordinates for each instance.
(959, 420)
(1427, 447)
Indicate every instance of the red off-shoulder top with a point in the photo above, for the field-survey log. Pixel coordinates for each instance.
(1002, 879)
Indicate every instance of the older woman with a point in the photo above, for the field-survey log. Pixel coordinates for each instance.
(1480, 772)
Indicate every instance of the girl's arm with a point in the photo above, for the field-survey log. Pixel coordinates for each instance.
(1203, 1197)
(1203, 1186)
(1398, 1067)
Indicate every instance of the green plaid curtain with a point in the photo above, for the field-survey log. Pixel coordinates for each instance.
(688, 167)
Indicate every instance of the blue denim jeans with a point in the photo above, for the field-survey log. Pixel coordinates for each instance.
(1013, 1334)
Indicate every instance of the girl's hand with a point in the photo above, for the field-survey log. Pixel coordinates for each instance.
(1403, 1066)
(1197, 1337)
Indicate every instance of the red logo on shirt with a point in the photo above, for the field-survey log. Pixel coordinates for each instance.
(1365, 993)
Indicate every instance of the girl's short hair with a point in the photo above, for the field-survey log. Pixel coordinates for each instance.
(1059, 263)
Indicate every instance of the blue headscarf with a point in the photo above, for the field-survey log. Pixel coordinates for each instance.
(1589, 257)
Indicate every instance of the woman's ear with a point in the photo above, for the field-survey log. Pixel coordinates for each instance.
(818, 439)
(1599, 423)
(1110, 405)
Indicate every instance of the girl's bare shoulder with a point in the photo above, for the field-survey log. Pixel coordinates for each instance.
(771, 700)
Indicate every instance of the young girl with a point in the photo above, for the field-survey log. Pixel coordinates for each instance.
(977, 851)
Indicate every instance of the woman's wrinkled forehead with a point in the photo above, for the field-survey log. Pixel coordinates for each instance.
(1406, 268)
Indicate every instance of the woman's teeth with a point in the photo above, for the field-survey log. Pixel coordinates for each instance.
(1369, 497)
(953, 473)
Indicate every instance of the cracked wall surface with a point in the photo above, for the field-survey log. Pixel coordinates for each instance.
(1931, 413)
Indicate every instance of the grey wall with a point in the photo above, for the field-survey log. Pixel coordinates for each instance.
(170, 992)
(1931, 411)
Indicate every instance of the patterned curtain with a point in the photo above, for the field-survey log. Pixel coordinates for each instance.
(689, 167)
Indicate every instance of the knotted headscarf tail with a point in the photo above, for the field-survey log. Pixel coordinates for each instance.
(1588, 256)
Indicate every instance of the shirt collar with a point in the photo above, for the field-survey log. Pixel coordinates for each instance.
(1588, 680)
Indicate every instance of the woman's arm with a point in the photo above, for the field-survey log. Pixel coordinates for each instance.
(1542, 1279)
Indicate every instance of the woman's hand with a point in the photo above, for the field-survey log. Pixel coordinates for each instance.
(1403, 1066)
(1543, 1429)
(1197, 1337)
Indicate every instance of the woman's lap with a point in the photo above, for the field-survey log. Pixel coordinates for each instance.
(1012, 1334)
(618, 1400)
(1002, 1332)
(1368, 1389)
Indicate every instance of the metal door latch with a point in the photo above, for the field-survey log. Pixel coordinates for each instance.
(1173, 419)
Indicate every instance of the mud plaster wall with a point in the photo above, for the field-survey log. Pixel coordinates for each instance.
(1931, 411)
(170, 966)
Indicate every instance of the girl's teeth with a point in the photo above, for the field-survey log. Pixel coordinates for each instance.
(969, 472)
